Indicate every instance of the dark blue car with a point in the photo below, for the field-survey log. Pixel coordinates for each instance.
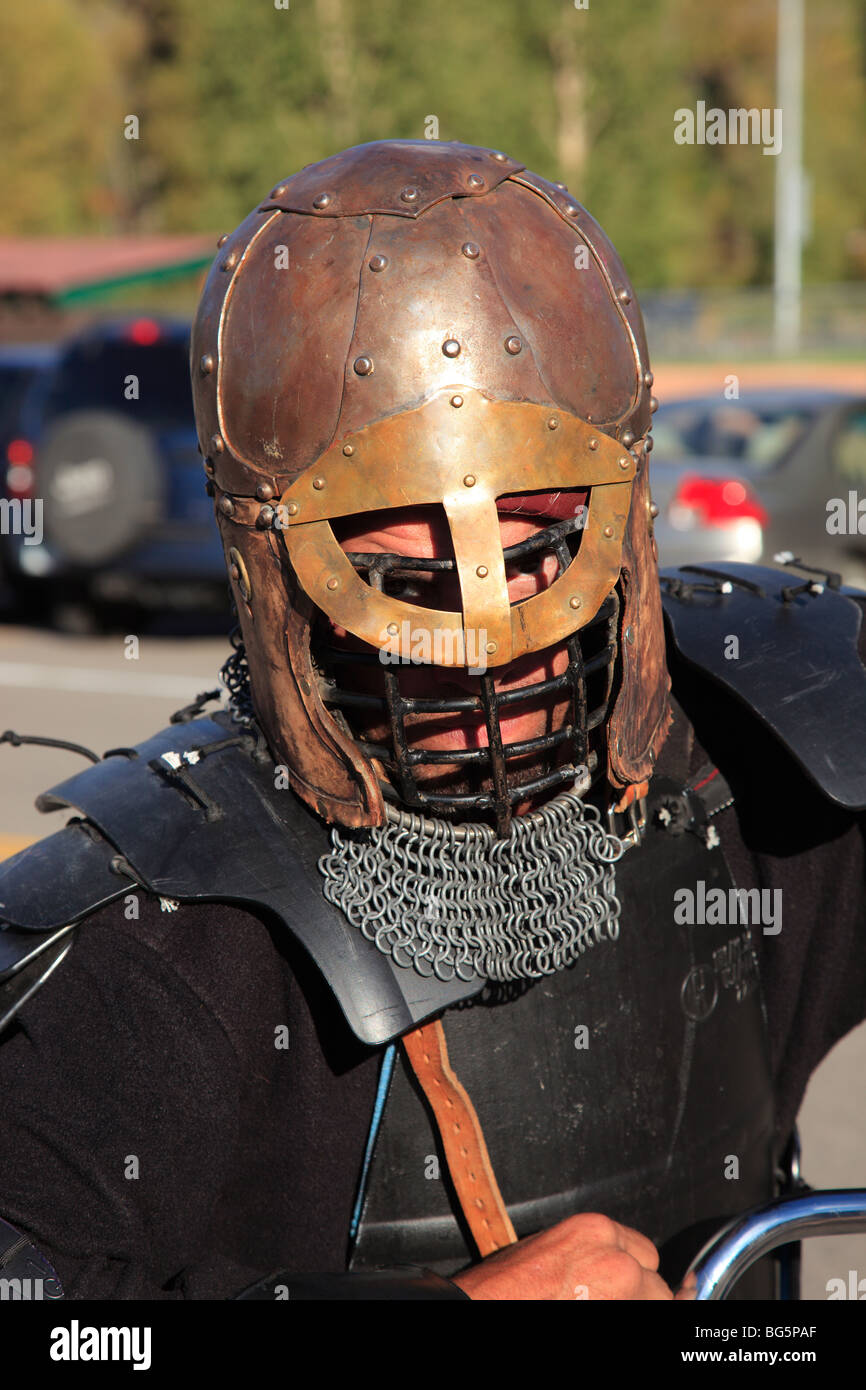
(106, 469)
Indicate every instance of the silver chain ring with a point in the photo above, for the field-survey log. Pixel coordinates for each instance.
(459, 900)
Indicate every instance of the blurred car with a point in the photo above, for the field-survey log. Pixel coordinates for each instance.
(105, 440)
(705, 514)
(801, 454)
(19, 364)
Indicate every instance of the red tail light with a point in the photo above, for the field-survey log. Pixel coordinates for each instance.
(19, 452)
(715, 501)
(144, 332)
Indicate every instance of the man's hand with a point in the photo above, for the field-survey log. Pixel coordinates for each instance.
(586, 1256)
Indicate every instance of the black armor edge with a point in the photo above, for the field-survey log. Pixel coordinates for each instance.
(797, 666)
(405, 1282)
(196, 814)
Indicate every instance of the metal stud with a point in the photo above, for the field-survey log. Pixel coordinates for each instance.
(513, 345)
(264, 492)
(206, 365)
(648, 378)
(471, 250)
(491, 648)
(378, 262)
(451, 347)
(624, 461)
(653, 510)
(575, 602)
(332, 583)
(393, 629)
(323, 200)
(482, 571)
(222, 240)
(348, 450)
(608, 531)
(561, 186)
(654, 405)
(410, 194)
(571, 209)
(469, 480)
(230, 261)
(475, 181)
(281, 189)
(629, 635)
(627, 438)
(226, 506)
(293, 508)
(363, 366)
(238, 572)
(318, 483)
(497, 154)
(649, 444)
(553, 423)
(624, 297)
(593, 444)
(216, 444)
(457, 401)
(265, 518)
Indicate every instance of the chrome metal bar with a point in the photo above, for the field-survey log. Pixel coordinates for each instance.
(721, 1262)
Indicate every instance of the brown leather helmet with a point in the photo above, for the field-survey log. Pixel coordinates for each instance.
(415, 322)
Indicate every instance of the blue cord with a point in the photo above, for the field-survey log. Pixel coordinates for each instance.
(381, 1096)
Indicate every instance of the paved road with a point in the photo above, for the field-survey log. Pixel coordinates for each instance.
(92, 690)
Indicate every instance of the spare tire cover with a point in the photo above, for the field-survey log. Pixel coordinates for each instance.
(101, 484)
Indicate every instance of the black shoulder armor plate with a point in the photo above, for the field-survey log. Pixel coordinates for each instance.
(194, 814)
(797, 665)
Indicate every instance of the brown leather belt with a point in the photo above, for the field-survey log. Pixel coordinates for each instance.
(462, 1139)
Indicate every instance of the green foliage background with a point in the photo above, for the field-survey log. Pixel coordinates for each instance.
(233, 95)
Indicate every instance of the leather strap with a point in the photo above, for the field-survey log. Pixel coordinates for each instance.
(462, 1139)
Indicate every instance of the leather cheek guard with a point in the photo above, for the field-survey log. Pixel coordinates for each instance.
(462, 457)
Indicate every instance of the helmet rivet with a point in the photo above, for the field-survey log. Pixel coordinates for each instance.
(293, 509)
(318, 483)
(575, 602)
(456, 401)
(410, 194)
(491, 648)
(322, 200)
(497, 154)
(230, 261)
(378, 262)
(451, 347)
(206, 364)
(227, 506)
(629, 636)
(332, 583)
(222, 240)
(624, 461)
(216, 444)
(513, 345)
(571, 209)
(653, 510)
(624, 297)
(627, 439)
(393, 629)
(561, 186)
(363, 366)
(280, 189)
(471, 250)
(608, 531)
(654, 405)
(264, 492)
(593, 444)
(481, 571)
(348, 450)
(234, 571)
(208, 467)
(648, 444)
(475, 181)
(553, 423)
(265, 518)
(469, 480)
(648, 378)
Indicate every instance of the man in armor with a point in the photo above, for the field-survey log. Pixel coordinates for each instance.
(470, 957)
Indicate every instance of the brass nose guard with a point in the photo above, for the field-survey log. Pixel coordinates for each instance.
(426, 456)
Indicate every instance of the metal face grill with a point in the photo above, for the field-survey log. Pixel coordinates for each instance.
(580, 743)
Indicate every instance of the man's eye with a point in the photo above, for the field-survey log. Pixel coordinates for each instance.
(408, 587)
